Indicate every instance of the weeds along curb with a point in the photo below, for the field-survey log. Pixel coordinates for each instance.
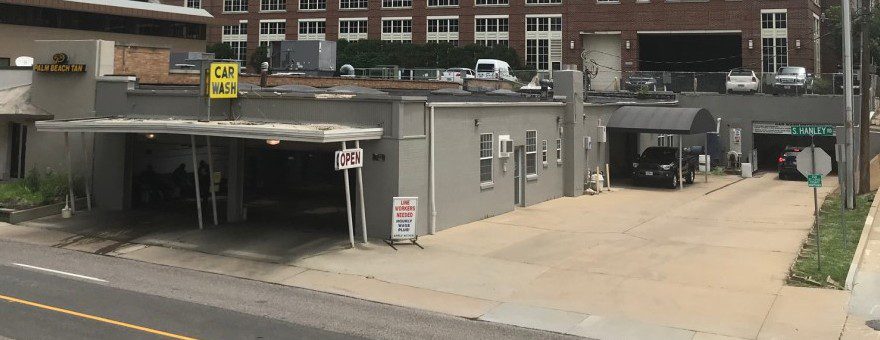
(863, 240)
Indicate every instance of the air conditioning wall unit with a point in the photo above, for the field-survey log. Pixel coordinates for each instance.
(505, 146)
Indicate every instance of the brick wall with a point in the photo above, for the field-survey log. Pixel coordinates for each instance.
(151, 66)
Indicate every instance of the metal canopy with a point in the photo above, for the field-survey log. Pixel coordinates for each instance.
(306, 132)
(663, 120)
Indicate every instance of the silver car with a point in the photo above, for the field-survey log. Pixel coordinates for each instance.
(792, 79)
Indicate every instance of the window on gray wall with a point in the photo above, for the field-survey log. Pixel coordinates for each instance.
(558, 150)
(486, 145)
(544, 152)
(531, 153)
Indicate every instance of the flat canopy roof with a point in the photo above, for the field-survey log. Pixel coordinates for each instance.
(665, 120)
(137, 9)
(297, 132)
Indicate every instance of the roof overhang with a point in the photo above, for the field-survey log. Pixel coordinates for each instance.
(306, 132)
(126, 8)
(662, 120)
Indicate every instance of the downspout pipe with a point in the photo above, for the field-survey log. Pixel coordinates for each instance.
(432, 175)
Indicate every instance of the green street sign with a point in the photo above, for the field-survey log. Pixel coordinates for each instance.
(807, 130)
(814, 181)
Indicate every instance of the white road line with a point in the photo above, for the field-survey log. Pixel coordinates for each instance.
(59, 272)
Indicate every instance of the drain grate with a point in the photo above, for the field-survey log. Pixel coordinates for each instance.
(874, 324)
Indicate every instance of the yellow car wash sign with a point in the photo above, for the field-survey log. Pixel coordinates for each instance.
(223, 82)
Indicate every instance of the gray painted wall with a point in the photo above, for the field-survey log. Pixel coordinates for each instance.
(15, 77)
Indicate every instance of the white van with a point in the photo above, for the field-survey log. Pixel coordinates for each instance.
(494, 69)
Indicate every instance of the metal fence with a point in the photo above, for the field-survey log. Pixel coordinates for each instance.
(767, 83)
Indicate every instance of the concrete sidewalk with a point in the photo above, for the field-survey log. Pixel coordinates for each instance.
(864, 305)
(708, 262)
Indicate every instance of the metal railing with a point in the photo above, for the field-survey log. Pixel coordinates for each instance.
(678, 82)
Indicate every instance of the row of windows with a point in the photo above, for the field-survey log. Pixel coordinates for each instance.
(549, 24)
(234, 6)
(487, 152)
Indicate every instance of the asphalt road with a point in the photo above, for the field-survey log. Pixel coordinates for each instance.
(98, 297)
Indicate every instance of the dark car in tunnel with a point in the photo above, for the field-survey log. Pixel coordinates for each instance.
(786, 165)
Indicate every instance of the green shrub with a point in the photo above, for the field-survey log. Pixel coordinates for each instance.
(373, 53)
(36, 188)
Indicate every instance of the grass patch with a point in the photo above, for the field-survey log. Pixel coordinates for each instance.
(35, 189)
(835, 256)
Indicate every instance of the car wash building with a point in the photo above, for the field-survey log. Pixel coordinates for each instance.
(271, 155)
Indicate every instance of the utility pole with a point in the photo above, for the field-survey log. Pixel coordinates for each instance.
(846, 19)
(865, 91)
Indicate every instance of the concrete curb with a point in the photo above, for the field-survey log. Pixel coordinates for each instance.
(863, 240)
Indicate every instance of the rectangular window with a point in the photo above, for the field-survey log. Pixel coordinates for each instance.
(194, 3)
(491, 30)
(492, 2)
(774, 39)
(235, 6)
(443, 30)
(312, 5)
(272, 30)
(273, 5)
(558, 150)
(236, 37)
(312, 29)
(396, 3)
(353, 4)
(544, 42)
(544, 152)
(543, 2)
(397, 29)
(486, 152)
(531, 153)
(442, 3)
(352, 29)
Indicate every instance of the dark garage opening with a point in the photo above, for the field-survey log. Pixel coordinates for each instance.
(770, 146)
(294, 184)
(690, 52)
(623, 150)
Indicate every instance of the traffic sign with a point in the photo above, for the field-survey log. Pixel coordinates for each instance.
(812, 130)
(805, 162)
(814, 181)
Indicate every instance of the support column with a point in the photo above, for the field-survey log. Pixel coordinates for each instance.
(192, 139)
(87, 174)
(348, 204)
(680, 156)
(211, 180)
(69, 173)
(569, 83)
(235, 183)
(360, 184)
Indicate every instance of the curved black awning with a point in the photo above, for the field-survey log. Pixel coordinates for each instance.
(665, 120)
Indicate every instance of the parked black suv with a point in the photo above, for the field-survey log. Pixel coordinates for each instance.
(659, 164)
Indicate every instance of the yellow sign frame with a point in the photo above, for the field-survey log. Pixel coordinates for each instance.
(223, 80)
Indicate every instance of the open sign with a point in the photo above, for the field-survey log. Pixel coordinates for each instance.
(349, 158)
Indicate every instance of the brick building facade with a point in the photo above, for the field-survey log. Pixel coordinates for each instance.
(608, 34)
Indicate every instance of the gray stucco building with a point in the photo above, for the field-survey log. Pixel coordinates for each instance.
(273, 148)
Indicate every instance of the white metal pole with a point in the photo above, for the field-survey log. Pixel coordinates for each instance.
(69, 173)
(360, 183)
(680, 179)
(607, 176)
(192, 139)
(848, 100)
(87, 177)
(348, 204)
(433, 175)
(211, 179)
(706, 158)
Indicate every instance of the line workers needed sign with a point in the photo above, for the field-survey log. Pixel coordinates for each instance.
(223, 80)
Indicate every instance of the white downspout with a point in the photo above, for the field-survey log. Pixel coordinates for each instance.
(431, 175)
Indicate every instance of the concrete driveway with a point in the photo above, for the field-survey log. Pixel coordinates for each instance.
(635, 263)
(707, 262)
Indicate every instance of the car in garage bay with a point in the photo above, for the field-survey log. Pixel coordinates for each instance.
(786, 164)
(659, 164)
